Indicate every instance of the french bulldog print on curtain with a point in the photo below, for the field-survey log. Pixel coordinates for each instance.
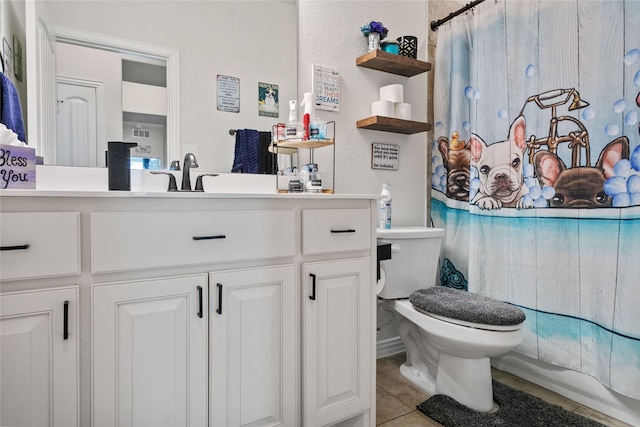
(536, 174)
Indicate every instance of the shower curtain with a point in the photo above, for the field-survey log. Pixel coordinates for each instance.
(536, 174)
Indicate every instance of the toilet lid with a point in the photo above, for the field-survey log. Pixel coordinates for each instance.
(467, 308)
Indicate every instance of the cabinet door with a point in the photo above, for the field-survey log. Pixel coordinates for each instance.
(337, 330)
(149, 350)
(252, 345)
(38, 360)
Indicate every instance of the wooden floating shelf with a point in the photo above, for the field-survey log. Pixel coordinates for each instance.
(390, 124)
(310, 144)
(391, 63)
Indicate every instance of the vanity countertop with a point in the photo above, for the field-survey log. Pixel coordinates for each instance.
(79, 182)
(179, 195)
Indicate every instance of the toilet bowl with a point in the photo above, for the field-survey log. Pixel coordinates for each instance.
(448, 350)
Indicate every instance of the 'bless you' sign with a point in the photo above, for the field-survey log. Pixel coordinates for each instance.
(17, 167)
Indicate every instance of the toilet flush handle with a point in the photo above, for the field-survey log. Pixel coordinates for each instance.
(395, 247)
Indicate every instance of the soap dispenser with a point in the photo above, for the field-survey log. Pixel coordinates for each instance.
(119, 165)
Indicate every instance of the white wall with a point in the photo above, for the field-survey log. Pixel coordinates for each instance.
(232, 38)
(329, 35)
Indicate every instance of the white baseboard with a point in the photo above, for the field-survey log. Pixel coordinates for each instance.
(389, 347)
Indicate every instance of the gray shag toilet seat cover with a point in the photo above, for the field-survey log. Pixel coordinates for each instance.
(466, 306)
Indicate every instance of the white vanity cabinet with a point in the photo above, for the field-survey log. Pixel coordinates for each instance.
(191, 309)
(252, 347)
(39, 354)
(124, 241)
(39, 358)
(149, 352)
(337, 338)
(39, 244)
(337, 310)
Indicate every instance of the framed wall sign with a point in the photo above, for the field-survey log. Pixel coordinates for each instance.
(326, 88)
(268, 104)
(17, 58)
(228, 94)
(385, 156)
(7, 55)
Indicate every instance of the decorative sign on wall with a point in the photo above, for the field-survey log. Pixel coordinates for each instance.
(17, 58)
(268, 100)
(7, 55)
(228, 94)
(17, 167)
(326, 88)
(385, 156)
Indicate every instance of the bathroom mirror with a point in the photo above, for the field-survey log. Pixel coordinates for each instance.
(208, 44)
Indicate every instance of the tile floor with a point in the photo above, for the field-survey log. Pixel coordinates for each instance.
(396, 399)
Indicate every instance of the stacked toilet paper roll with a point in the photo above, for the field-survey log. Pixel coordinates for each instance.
(383, 108)
(393, 93)
(392, 103)
(403, 110)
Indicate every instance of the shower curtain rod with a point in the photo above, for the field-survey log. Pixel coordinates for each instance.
(436, 24)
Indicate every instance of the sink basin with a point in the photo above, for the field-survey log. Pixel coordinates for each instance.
(144, 181)
(238, 183)
(62, 178)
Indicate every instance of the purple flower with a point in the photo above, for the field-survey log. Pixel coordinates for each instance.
(375, 27)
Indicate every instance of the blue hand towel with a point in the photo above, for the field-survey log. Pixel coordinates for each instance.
(246, 155)
(10, 111)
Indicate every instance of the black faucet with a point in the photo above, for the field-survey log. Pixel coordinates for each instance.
(172, 180)
(199, 184)
(189, 162)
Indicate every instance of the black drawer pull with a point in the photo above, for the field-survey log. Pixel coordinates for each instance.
(200, 302)
(219, 236)
(313, 287)
(219, 310)
(349, 230)
(65, 321)
(14, 248)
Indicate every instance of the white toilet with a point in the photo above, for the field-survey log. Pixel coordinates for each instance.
(448, 350)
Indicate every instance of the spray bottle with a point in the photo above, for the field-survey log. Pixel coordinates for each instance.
(384, 207)
(293, 129)
(307, 118)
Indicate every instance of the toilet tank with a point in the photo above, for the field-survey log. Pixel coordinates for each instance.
(414, 260)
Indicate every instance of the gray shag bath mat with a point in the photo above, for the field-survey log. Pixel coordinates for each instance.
(516, 408)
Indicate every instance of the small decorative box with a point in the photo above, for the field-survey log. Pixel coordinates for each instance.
(17, 167)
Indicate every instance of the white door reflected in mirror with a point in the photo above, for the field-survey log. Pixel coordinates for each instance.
(76, 141)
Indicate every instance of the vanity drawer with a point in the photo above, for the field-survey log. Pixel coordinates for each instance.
(335, 230)
(123, 241)
(42, 244)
